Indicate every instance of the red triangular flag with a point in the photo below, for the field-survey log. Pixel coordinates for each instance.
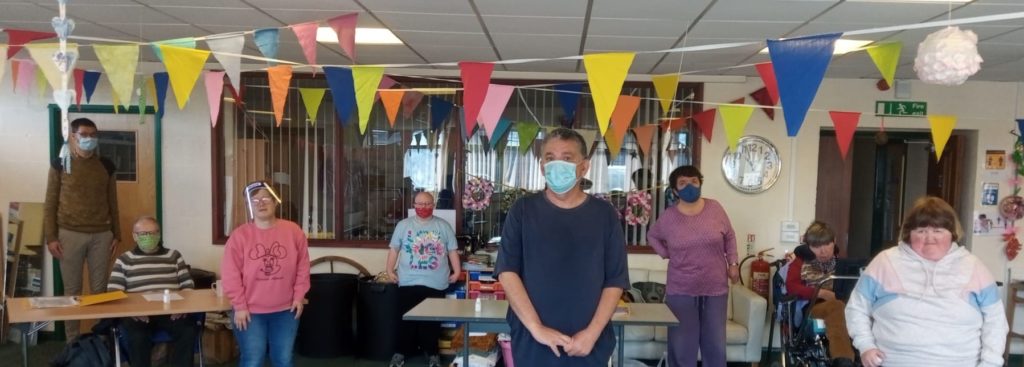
(768, 77)
(846, 124)
(706, 121)
(345, 27)
(79, 77)
(410, 101)
(476, 78)
(17, 38)
(740, 100)
(762, 98)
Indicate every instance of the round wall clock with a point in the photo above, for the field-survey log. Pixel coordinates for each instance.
(754, 166)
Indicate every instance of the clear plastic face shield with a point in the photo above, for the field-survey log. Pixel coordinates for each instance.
(250, 192)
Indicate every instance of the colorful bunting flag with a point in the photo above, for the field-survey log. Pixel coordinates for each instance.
(341, 83)
(227, 50)
(40, 82)
(280, 77)
(26, 75)
(673, 124)
(644, 136)
(845, 124)
(476, 77)
(500, 130)
(183, 66)
(267, 40)
(3, 61)
(605, 75)
(621, 118)
(160, 81)
(391, 99)
(493, 106)
(385, 83)
(569, 98)
(527, 131)
(735, 120)
(43, 54)
(89, 81)
(665, 87)
(589, 135)
(214, 82)
(187, 42)
(311, 98)
(800, 65)
(706, 122)
(886, 58)
(410, 101)
(1020, 130)
(763, 98)
(141, 83)
(942, 127)
(15, 73)
(17, 38)
(78, 75)
(366, 80)
(767, 73)
(345, 27)
(119, 63)
(151, 91)
(439, 111)
(306, 34)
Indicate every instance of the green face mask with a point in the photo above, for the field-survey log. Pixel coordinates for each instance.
(147, 242)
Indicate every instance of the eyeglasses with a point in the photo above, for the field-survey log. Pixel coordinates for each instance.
(261, 200)
(147, 233)
(423, 205)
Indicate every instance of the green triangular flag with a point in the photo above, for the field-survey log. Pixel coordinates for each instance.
(311, 98)
(527, 133)
(886, 58)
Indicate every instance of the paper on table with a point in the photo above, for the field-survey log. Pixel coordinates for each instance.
(159, 297)
(51, 302)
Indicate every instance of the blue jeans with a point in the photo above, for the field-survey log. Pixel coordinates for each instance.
(273, 332)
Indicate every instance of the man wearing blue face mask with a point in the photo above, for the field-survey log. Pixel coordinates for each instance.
(562, 263)
(80, 216)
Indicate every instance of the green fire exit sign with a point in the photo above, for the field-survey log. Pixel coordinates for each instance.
(901, 108)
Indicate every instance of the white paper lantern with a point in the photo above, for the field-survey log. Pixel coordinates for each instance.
(948, 57)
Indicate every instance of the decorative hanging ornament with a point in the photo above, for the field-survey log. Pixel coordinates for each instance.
(948, 57)
(1013, 245)
(477, 195)
(638, 208)
(1012, 208)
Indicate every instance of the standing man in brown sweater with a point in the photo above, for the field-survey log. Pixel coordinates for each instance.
(81, 221)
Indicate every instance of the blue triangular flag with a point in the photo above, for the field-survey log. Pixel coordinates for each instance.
(266, 40)
(569, 97)
(1020, 130)
(499, 131)
(89, 81)
(439, 111)
(342, 90)
(800, 64)
(160, 82)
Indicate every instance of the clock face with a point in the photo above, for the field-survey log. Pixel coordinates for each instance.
(754, 166)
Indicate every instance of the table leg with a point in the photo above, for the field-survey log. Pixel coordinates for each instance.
(24, 346)
(622, 345)
(465, 346)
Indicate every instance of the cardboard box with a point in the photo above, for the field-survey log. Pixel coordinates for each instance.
(219, 345)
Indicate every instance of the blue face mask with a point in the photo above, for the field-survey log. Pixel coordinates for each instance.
(87, 144)
(560, 176)
(689, 193)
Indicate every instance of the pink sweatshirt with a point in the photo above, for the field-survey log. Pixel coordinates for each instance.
(265, 270)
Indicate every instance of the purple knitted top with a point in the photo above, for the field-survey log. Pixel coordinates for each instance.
(699, 249)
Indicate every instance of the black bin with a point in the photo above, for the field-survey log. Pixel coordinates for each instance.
(378, 319)
(325, 328)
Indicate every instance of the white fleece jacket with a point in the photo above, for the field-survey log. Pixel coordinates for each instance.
(928, 313)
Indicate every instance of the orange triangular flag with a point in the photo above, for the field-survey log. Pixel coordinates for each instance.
(942, 128)
(280, 77)
(644, 136)
(622, 117)
(392, 100)
(845, 124)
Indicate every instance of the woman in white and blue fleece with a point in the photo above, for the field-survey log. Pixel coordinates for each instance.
(927, 301)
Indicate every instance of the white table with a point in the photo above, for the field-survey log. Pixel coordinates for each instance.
(491, 318)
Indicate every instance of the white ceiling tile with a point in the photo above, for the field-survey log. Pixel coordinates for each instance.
(327, 6)
(156, 32)
(1016, 37)
(220, 15)
(24, 12)
(534, 25)
(636, 27)
(455, 54)
(561, 8)
(1010, 71)
(420, 40)
(772, 10)
(426, 7)
(883, 13)
(743, 30)
(556, 66)
(517, 46)
(296, 16)
(609, 43)
(187, 3)
(121, 13)
(649, 9)
(432, 22)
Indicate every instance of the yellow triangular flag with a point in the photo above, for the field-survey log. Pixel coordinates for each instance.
(116, 101)
(183, 68)
(588, 136)
(151, 87)
(311, 98)
(392, 100)
(366, 79)
(42, 53)
(605, 75)
(119, 63)
(886, 57)
(41, 82)
(734, 118)
(665, 86)
(942, 127)
(280, 77)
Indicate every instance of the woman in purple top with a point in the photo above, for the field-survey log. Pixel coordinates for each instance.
(696, 237)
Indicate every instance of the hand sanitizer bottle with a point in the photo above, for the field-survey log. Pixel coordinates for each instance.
(167, 296)
(478, 307)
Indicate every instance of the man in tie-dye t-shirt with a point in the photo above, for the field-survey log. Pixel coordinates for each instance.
(423, 259)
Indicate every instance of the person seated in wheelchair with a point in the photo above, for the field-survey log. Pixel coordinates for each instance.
(151, 267)
(928, 301)
(816, 260)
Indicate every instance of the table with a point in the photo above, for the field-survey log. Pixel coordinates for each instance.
(491, 318)
(20, 311)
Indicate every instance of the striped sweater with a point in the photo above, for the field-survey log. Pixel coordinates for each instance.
(137, 271)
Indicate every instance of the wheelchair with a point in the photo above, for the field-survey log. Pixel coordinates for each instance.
(801, 338)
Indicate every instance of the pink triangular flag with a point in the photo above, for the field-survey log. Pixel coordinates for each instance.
(409, 102)
(476, 77)
(768, 77)
(214, 81)
(26, 75)
(494, 105)
(79, 75)
(846, 124)
(17, 38)
(345, 27)
(306, 34)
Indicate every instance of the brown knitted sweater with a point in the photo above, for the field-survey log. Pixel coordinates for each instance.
(83, 201)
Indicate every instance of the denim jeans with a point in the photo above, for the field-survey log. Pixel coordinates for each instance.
(267, 332)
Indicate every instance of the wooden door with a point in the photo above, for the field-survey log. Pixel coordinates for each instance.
(835, 179)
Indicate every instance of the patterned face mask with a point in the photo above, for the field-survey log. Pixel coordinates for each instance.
(147, 242)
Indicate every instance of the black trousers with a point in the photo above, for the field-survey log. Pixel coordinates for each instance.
(140, 339)
(417, 335)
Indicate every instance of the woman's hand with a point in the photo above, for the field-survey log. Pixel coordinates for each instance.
(393, 276)
(872, 358)
(297, 308)
(734, 273)
(242, 319)
(453, 278)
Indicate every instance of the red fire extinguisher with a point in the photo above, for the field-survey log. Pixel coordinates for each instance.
(760, 274)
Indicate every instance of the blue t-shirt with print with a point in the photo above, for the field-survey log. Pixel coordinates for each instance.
(423, 247)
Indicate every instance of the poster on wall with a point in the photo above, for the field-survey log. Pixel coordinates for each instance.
(989, 193)
(995, 159)
(987, 223)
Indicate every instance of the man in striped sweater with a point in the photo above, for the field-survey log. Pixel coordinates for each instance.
(146, 268)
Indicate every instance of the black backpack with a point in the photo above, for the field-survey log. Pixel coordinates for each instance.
(87, 350)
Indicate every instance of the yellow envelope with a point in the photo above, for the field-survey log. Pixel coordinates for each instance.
(93, 299)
